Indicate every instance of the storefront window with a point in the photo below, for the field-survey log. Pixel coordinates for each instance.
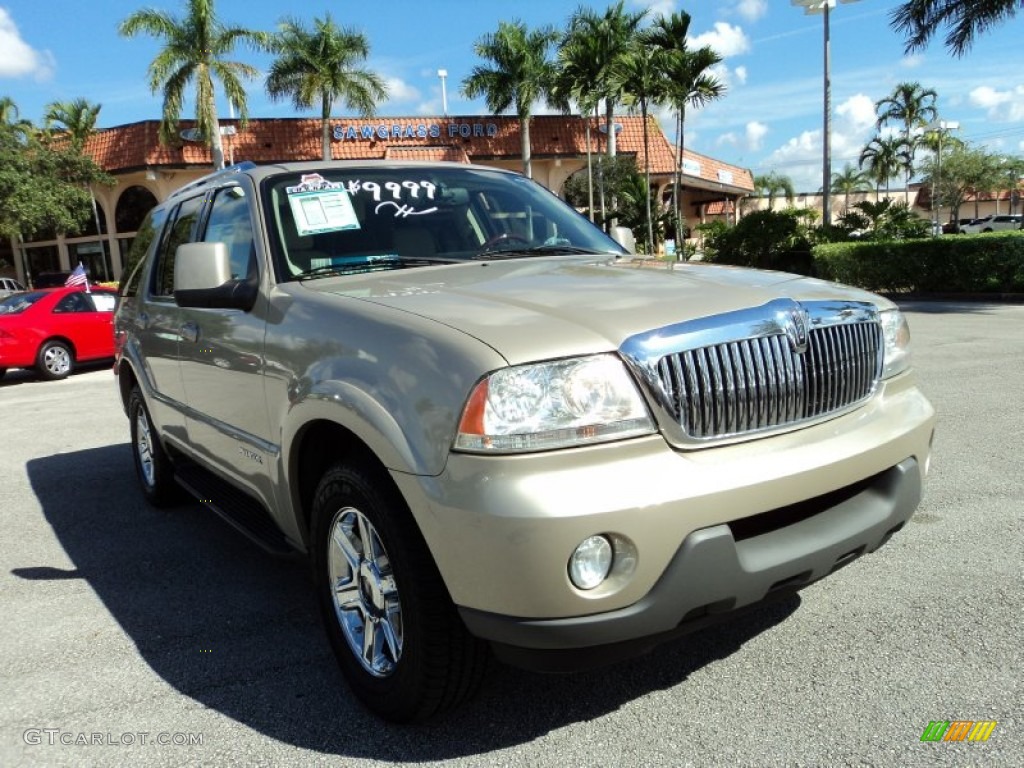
(95, 257)
(41, 260)
(132, 207)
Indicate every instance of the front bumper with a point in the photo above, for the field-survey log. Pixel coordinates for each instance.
(712, 530)
(716, 571)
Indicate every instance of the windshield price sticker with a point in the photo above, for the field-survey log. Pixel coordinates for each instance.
(419, 191)
(319, 205)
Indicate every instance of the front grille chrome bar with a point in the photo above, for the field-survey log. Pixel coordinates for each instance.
(776, 367)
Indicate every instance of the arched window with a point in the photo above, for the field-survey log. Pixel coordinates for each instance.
(132, 207)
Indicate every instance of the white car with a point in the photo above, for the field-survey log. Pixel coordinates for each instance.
(993, 223)
(9, 286)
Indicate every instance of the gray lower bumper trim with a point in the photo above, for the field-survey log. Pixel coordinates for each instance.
(713, 573)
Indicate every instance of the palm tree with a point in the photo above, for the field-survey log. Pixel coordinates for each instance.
(688, 81)
(772, 184)
(323, 65)
(849, 181)
(76, 119)
(578, 67)
(194, 50)
(10, 116)
(912, 105)
(918, 20)
(640, 76)
(884, 158)
(521, 74)
(612, 36)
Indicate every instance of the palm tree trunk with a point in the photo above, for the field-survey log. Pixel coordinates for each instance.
(680, 234)
(677, 176)
(647, 175)
(590, 174)
(600, 183)
(325, 128)
(524, 137)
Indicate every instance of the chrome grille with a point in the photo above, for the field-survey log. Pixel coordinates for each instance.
(755, 373)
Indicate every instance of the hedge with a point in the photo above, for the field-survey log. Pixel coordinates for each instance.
(988, 263)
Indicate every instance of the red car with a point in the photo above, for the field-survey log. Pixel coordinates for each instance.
(53, 330)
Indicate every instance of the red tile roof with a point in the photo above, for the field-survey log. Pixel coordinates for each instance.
(474, 138)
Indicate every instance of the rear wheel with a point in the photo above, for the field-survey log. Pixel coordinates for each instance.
(2, 372)
(396, 634)
(55, 360)
(152, 465)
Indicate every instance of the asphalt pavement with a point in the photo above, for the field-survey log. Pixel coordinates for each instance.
(138, 637)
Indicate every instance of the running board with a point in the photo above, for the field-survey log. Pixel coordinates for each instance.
(238, 509)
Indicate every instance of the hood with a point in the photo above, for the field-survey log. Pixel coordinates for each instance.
(541, 308)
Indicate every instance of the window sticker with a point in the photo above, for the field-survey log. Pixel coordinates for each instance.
(418, 193)
(319, 205)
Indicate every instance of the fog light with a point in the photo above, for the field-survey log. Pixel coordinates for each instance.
(591, 562)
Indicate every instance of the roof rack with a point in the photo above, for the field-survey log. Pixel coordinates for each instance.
(245, 165)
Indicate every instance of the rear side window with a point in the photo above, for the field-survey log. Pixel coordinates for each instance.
(179, 233)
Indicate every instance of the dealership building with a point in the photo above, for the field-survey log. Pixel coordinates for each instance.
(147, 172)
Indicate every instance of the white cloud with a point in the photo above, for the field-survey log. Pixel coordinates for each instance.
(1004, 106)
(755, 134)
(656, 8)
(741, 75)
(857, 113)
(726, 39)
(18, 58)
(400, 91)
(913, 61)
(727, 139)
(752, 10)
(800, 158)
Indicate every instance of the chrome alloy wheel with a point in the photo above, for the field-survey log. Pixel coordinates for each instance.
(144, 447)
(57, 360)
(364, 592)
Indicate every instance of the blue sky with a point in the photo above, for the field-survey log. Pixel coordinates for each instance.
(770, 118)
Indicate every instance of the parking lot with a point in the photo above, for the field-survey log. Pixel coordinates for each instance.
(134, 636)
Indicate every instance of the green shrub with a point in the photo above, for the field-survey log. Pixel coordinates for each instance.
(989, 263)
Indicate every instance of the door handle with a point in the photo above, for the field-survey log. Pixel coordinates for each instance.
(189, 332)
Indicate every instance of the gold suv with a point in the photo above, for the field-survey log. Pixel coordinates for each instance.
(491, 428)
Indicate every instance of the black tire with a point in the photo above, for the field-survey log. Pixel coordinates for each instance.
(423, 660)
(152, 465)
(2, 372)
(55, 360)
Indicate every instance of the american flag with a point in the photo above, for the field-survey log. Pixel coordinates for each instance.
(78, 277)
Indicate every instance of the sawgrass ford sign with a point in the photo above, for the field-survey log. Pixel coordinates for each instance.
(451, 130)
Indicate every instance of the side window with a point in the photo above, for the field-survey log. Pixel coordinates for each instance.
(180, 232)
(135, 260)
(73, 302)
(103, 302)
(229, 223)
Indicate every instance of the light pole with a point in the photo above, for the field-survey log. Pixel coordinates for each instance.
(940, 127)
(443, 74)
(811, 8)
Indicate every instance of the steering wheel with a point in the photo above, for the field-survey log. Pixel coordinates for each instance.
(505, 237)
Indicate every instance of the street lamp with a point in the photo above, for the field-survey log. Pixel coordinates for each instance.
(940, 127)
(443, 73)
(812, 8)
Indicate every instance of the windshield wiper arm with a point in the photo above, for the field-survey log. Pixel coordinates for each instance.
(350, 265)
(552, 249)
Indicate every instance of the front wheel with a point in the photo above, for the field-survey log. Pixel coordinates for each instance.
(55, 360)
(152, 465)
(396, 634)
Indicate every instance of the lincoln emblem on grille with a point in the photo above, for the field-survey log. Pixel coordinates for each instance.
(797, 320)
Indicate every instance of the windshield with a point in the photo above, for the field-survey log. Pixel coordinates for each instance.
(370, 218)
(19, 302)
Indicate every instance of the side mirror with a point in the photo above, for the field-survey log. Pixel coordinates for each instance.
(202, 278)
(624, 237)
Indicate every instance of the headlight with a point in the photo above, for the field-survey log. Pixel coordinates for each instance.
(553, 405)
(896, 334)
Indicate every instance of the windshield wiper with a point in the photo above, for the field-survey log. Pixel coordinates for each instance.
(353, 265)
(547, 249)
